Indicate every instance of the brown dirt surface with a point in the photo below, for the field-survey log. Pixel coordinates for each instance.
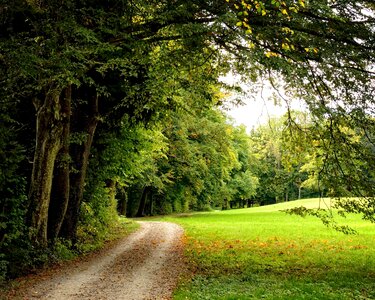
(145, 265)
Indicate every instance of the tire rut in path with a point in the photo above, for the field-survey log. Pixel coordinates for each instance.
(145, 265)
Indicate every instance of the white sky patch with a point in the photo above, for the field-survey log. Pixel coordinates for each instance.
(256, 112)
(261, 103)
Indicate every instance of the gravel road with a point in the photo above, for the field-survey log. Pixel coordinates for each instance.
(145, 265)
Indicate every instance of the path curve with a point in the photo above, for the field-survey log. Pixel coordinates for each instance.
(145, 265)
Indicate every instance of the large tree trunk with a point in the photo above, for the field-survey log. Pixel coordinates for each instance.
(61, 182)
(80, 156)
(151, 204)
(49, 129)
(142, 203)
(122, 201)
(111, 186)
(225, 204)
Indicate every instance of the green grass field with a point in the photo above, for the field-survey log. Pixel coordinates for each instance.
(262, 253)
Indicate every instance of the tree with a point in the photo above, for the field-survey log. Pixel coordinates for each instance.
(273, 180)
(200, 159)
(284, 156)
(299, 152)
(333, 74)
(339, 163)
(242, 183)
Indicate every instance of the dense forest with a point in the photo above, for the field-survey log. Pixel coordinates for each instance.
(116, 107)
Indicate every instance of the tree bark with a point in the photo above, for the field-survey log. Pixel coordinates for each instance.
(49, 129)
(142, 203)
(111, 186)
(225, 204)
(151, 204)
(61, 182)
(80, 157)
(122, 201)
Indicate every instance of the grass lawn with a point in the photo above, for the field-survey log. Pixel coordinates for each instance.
(262, 253)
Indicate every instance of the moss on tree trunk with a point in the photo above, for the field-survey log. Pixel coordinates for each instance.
(80, 156)
(49, 130)
(61, 181)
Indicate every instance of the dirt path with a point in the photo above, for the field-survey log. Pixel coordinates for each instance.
(145, 265)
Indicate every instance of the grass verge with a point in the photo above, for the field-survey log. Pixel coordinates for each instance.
(262, 253)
